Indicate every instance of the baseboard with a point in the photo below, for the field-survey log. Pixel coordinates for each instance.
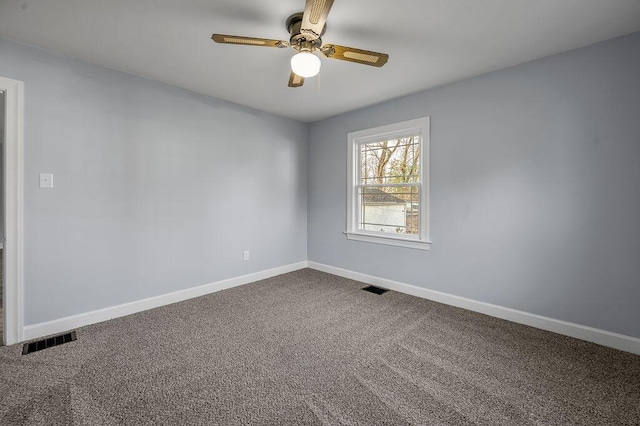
(590, 334)
(68, 323)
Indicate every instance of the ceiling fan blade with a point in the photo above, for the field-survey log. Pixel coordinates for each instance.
(314, 18)
(295, 80)
(248, 41)
(359, 56)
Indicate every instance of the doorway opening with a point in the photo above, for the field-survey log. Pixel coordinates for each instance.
(11, 220)
(2, 108)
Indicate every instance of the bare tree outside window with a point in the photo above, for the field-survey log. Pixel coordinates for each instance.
(389, 185)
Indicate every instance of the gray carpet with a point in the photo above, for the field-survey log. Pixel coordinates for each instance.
(311, 348)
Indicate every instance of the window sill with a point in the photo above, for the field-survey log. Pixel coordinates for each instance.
(390, 241)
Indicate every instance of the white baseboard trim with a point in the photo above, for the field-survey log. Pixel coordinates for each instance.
(35, 331)
(590, 334)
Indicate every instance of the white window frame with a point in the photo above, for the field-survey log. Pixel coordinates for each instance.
(419, 126)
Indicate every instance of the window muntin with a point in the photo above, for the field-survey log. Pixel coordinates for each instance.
(387, 190)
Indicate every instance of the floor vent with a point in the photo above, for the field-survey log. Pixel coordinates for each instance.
(47, 343)
(375, 290)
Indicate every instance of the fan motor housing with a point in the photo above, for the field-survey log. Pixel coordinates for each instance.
(300, 40)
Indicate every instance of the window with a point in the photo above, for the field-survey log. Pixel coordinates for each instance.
(388, 188)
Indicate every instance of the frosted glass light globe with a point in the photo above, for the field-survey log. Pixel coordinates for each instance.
(305, 64)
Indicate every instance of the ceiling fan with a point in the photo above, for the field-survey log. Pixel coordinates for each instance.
(305, 29)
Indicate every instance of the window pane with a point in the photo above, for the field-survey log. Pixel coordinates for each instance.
(393, 209)
(390, 161)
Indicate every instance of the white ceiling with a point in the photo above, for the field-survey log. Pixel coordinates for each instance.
(429, 42)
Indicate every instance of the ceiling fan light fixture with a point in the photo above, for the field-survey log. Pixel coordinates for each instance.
(305, 64)
(305, 31)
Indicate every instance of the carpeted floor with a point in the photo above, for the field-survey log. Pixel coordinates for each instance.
(311, 348)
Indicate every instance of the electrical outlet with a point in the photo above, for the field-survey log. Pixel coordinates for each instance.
(246, 255)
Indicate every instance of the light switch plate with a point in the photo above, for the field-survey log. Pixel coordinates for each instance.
(46, 180)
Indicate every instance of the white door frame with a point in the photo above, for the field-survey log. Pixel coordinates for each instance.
(13, 211)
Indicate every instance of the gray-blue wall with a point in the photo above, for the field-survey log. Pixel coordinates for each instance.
(157, 189)
(535, 188)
